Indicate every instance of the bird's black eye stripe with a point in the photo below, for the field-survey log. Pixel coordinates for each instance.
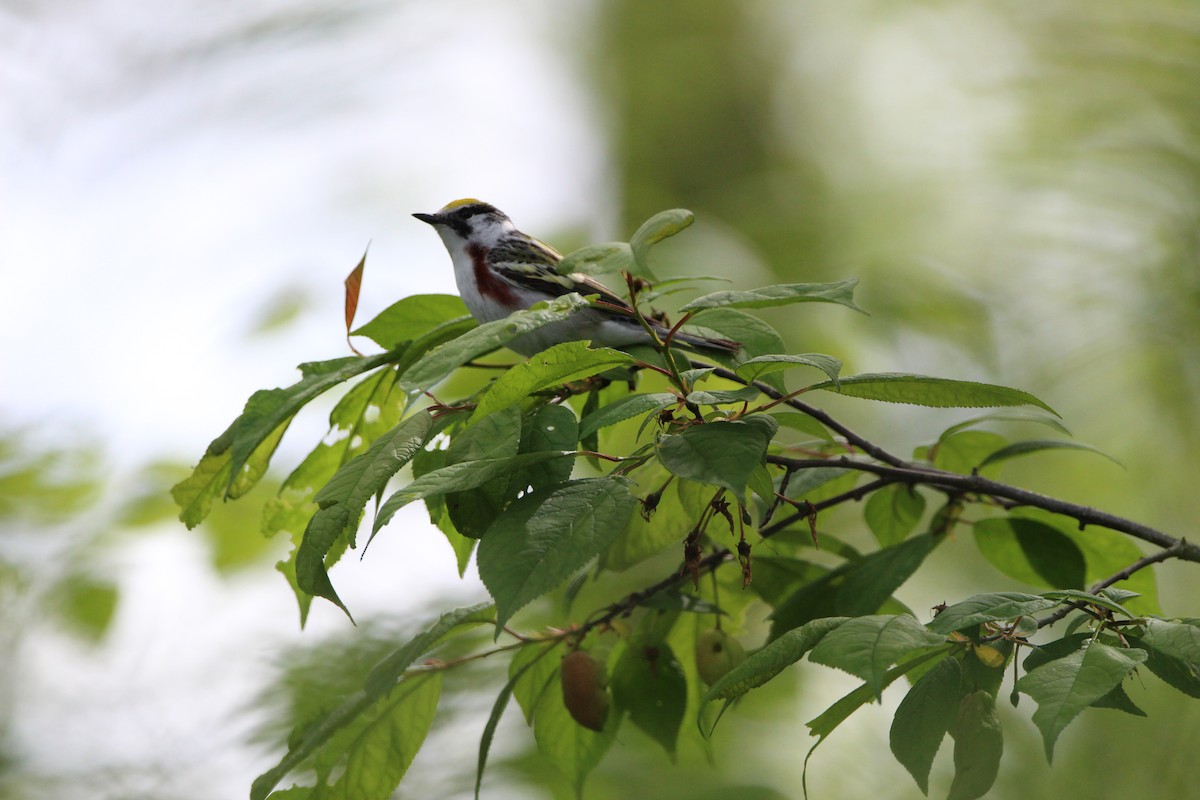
(466, 212)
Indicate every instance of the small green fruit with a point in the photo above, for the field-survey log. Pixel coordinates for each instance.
(716, 653)
(584, 687)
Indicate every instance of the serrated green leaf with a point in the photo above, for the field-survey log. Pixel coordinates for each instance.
(962, 452)
(1040, 445)
(449, 356)
(543, 538)
(410, 317)
(1066, 686)
(841, 292)
(268, 409)
(892, 513)
(551, 428)
(195, 494)
(649, 684)
(661, 226)
(627, 407)
(598, 259)
(716, 397)
(978, 746)
(866, 646)
(922, 390)
(1006, 416)
(828, 720)
(755, 337)
(366, 474)
(753, 368)
(390, 670)
(1088, 598)
(568, 361)
(1031, 552)
(868, 584)
(489, 729)
(990, 607)
(1178, 640)
(678, 509)
(329, 737)
(1180, 675)
(381, 745)
(458, 478)
(764, 664)
(496, 435)
(923, 717)
(803, 423)
(719, 453)
(344, 497)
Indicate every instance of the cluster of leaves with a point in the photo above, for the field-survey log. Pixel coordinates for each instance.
(581, 462)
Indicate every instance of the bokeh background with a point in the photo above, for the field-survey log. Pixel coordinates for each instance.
(184, 185)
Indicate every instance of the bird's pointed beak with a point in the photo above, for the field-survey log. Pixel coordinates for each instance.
(432, 219)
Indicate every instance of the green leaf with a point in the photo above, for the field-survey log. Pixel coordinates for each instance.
(333, 734)
(552, 428)
(389, 671)
(753, 368)
(716, 397)
(841, 292)
(924, 716)
(962, 452)
(866, 646)
(457, 478)
(544, 537)
(571, 748)
(344, 497)
(1178, 640)
(1079, 596)
(922, 390)
(1038, 445)
(1006, 416)
(1031, 552)
(627, 407)
(828, 720)
(763, 665)
(893, 512)
(1067, 685)
(598, 259)
(756, 337)
(803, 423)
(213, 478)
(489, 729)
(568, 361)
(991, 607)
(719, 453)
(495, 436)
(678, 509)
(382, 743)
(268, 409)
(870, 582)
(447, 357)
(978, 746)
(661, 226)
(649, 684)
(1181, 675)
(407, 319)
(367, 474)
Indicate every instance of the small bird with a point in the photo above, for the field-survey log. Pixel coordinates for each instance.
(500, 270)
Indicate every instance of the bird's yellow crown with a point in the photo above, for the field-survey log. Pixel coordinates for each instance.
(453, 204)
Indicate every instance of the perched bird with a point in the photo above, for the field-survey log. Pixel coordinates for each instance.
(500, 270)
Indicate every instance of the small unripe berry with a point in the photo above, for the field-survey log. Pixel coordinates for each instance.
(716, 653)
(584, 689)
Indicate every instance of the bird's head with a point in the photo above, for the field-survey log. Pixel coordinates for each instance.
(469, 221)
